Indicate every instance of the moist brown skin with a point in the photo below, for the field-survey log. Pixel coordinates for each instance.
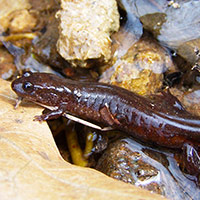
(161, 120)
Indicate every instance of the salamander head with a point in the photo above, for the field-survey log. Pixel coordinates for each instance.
(42, 88)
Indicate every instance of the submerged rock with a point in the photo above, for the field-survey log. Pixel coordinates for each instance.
(174, 23)
(143, 166)
(189, 99)
(140, 69)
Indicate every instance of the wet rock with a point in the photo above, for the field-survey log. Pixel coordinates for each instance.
(45, 5)
(189, 99)
(45, 47)
(174, 23)
(7, 8)
(22, 21)
(148, 168)
(85, 28)
(30, 34)
(7, 66)
(140, 69)
(132, 22)
(188, 51)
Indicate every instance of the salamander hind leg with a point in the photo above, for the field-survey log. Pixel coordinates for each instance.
(108, 117)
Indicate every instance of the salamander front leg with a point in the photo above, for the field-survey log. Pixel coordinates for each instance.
(54, 114)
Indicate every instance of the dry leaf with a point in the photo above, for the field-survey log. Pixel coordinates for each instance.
(32, 168)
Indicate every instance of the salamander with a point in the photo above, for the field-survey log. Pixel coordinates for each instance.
(160, 119)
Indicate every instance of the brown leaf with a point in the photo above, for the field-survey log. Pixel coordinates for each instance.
(32, 168)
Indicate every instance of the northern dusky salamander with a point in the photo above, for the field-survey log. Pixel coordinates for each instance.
(161, 120)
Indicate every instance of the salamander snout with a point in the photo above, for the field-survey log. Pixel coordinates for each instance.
(17, 86)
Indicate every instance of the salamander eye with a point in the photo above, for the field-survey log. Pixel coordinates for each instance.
(28, 86)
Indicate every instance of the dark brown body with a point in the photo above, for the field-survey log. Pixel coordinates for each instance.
(161, 120)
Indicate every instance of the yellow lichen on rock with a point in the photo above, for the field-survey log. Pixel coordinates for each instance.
(85, 28)
(141, 69)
